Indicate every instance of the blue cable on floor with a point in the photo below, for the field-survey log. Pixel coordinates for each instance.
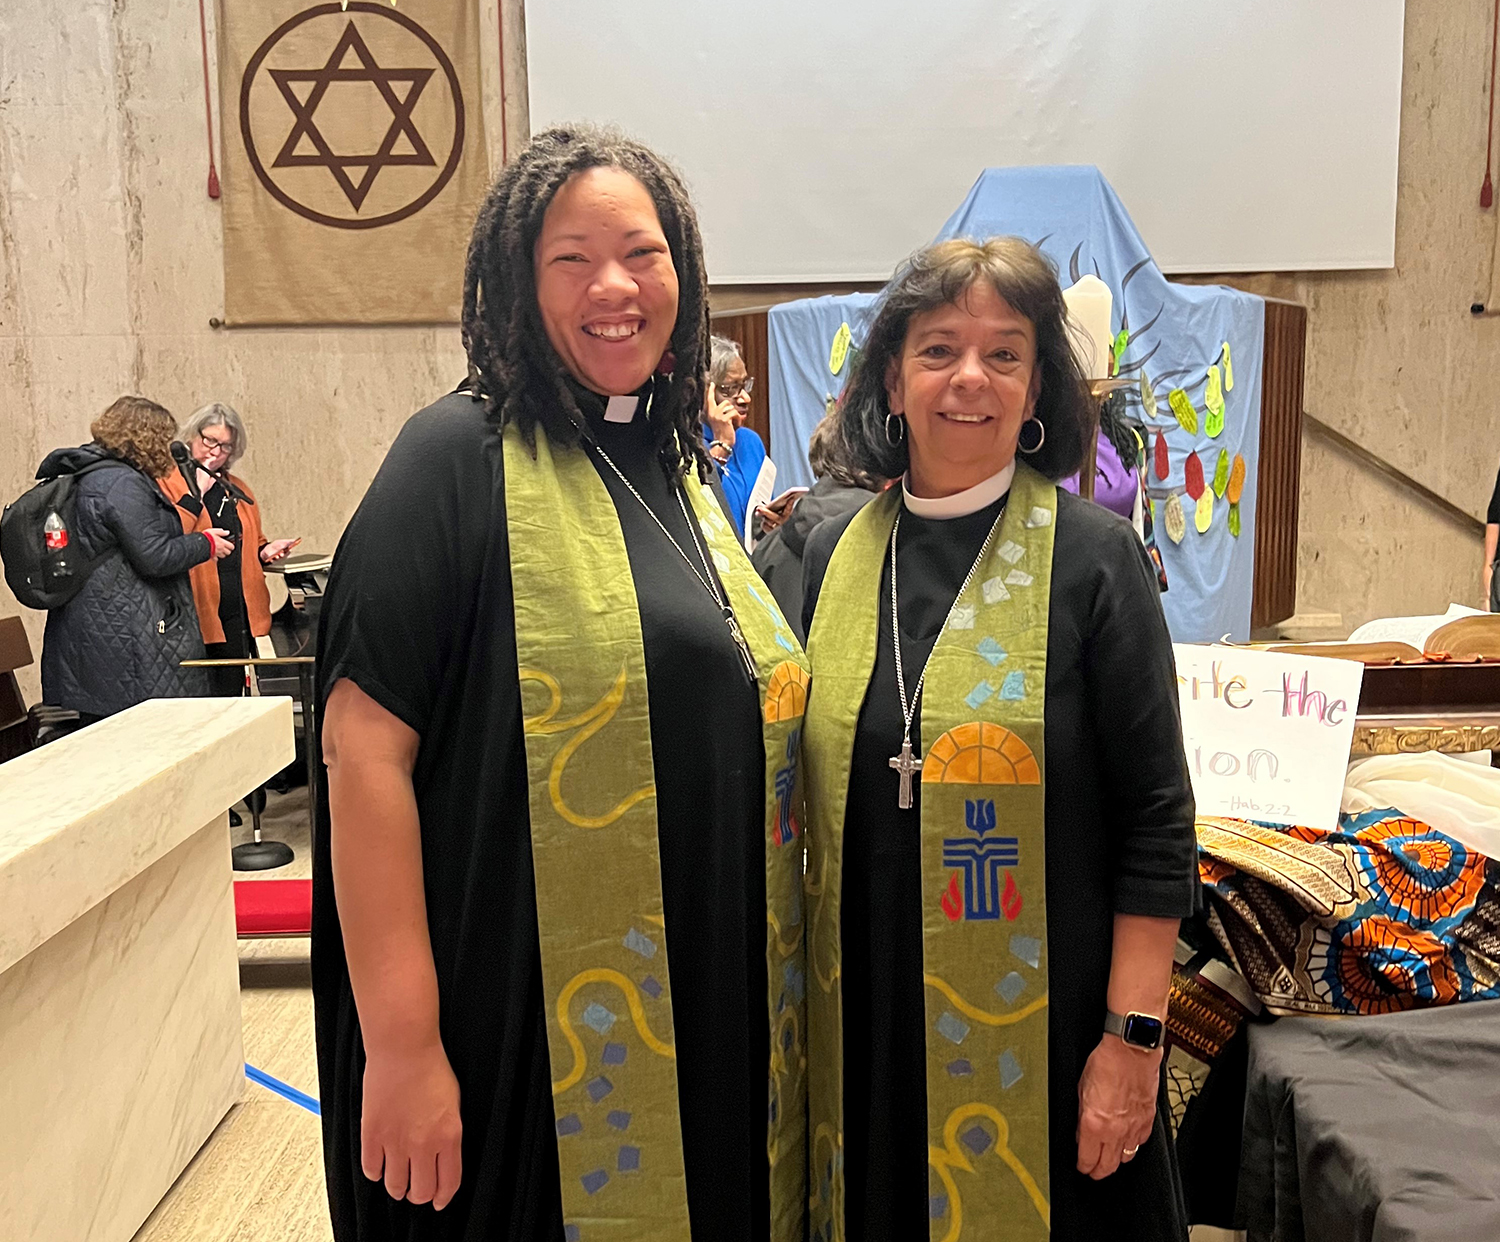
(282, 1089)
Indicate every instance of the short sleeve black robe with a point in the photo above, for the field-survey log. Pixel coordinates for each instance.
(419, 615)
(1120, 838)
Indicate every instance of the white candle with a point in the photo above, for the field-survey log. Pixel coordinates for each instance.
(1090, 305)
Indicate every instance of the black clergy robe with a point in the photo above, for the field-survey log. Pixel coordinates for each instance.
(1120, 839)
(419, 615)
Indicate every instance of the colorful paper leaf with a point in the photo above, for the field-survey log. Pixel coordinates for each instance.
(840, 351)
(1234, 520)
(1236, 480)
(1187, 416)
(1121, 341)
(1163, 457)
(1148, 396)
(1221, 473)
(1228, 369)
(1213, 398)
(1174, 520)
(1203, 519)
(1192, 473)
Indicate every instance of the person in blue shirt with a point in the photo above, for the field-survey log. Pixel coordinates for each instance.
(745, 471)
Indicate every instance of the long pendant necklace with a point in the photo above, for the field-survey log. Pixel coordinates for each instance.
(710, 584)
(906, 763)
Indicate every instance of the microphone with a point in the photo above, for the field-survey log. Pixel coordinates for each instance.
(186, 466)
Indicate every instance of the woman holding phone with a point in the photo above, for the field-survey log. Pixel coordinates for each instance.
(233, 602)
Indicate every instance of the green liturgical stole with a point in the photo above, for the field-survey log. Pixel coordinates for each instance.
(984, 916)
(604, 940)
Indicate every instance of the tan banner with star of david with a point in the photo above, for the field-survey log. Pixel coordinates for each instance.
(354, 159)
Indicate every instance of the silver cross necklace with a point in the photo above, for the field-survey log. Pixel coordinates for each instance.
(710, 584)
(906, 763)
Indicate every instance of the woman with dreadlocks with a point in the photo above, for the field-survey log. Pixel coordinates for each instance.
(557, 935)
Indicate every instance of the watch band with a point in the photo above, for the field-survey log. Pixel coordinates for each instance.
(1140, 1030)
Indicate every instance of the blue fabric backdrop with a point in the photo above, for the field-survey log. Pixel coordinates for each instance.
(1175, 333)
(800, 336)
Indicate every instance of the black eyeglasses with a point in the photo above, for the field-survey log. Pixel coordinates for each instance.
(731, 392)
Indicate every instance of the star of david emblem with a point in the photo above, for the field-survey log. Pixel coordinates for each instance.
(304, 94)
(385, 81)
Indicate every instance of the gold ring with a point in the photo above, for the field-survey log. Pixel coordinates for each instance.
(1130, 1151)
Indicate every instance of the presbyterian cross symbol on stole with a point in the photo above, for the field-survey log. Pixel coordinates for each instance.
(905, 763)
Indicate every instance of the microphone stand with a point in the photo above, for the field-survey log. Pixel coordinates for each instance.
(257, 854)
(234, 492)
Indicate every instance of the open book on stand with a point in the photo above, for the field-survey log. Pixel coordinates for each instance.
(1461, 634)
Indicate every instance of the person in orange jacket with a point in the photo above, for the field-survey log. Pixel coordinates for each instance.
(233, 602)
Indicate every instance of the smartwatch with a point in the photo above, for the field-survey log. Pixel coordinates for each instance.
(1139, 1030)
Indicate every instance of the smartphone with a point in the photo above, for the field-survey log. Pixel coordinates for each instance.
(791, 495)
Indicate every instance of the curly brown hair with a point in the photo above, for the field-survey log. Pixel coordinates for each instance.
(941, 275)
(139, 432)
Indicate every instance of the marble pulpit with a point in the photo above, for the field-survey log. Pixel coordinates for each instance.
(120, 1033)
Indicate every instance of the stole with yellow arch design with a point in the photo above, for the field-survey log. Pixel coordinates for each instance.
(984, 920)
(600, 912)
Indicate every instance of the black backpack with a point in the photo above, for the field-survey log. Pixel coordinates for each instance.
(38, 531)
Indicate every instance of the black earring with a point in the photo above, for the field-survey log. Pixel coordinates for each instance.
(1032, 443)
(898, 438)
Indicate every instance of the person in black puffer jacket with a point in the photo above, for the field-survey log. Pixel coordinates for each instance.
(838, 490)
(122, 638)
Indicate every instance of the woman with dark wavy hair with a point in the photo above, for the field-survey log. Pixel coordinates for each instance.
(557, 932)
(1000, 837)
(123, 637)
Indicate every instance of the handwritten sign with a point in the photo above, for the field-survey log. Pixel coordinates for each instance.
(1267, 735)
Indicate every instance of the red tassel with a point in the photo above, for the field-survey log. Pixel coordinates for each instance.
(208, 108)
(1487, 191)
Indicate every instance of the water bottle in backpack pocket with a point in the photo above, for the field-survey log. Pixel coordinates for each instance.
(44, 566)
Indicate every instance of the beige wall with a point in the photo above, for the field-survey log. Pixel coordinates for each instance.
(1397, 363)
(110, 271)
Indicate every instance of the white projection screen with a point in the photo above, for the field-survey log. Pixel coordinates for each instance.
(825, 139)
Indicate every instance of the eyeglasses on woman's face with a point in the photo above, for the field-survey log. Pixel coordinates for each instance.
(733, 392)
(212, 445)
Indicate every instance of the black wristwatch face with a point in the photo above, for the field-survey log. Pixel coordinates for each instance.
(1142, 1030)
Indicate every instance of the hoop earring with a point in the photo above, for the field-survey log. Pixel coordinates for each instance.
(897, 440)
(1041, 436)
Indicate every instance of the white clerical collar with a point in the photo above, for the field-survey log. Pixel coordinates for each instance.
(960, 504)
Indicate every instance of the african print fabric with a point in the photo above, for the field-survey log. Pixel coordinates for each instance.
(984, 912)
(1385, 914)
(1206, 1006)
(600, 911)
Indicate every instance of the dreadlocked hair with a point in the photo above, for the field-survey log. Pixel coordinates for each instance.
(512, 362)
